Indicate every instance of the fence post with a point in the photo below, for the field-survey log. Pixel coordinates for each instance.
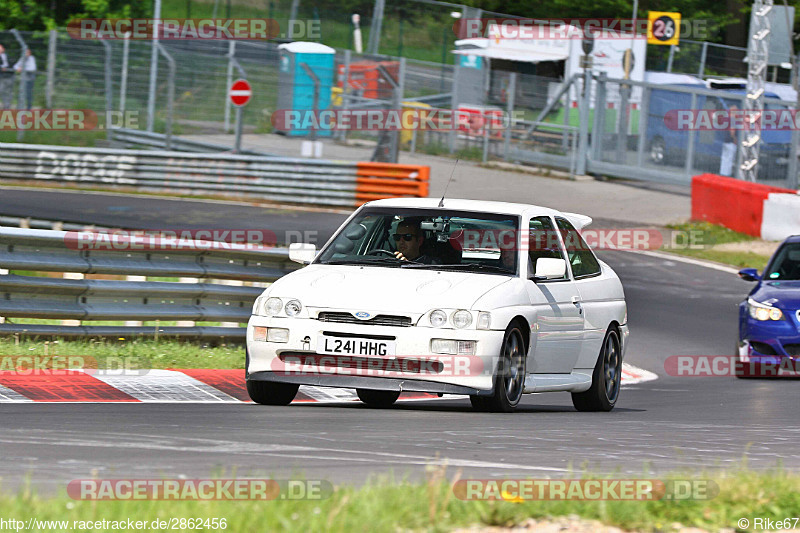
(512, 94)
(123, 81)
(170, 93)
(690, 148)
(109, 87)
(703, 54)
(671, 56)
(599, 122)
(151, 91)
(394, 149)
(583, 110)
(228, 82)
(341, 135)
(451, 136)
(644, 110)
(51, 68)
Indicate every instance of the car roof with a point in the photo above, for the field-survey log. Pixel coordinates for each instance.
(793, 239)
(485, 206)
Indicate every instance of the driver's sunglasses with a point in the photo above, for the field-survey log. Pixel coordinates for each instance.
(408, 237)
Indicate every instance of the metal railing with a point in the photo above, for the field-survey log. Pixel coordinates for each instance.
(286, 180)
(30, 296)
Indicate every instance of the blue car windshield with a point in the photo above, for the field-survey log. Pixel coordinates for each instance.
(786, 264)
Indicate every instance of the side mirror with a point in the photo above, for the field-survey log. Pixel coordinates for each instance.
(749, 274)
(302, 253)
(549, 268)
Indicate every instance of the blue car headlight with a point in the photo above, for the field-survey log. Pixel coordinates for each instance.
(763, 312)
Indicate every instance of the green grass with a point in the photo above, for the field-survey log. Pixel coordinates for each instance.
(134, 353)
(704, 236)
(383, 505)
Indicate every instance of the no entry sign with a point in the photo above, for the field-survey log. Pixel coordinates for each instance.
(240, 93)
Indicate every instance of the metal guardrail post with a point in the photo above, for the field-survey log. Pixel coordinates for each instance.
(51, 68)
(512, 95)
(170, 92)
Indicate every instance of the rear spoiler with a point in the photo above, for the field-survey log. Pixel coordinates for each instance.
(579, 221)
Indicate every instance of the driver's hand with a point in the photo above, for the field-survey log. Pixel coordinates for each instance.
(400, 256)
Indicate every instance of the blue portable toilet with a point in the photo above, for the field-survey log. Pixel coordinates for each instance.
(296, 86)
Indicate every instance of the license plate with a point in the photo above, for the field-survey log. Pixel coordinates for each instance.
(354, 346)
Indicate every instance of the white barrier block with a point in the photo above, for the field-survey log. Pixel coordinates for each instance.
(781, 216)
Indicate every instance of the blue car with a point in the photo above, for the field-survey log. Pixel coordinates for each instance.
(769, 319)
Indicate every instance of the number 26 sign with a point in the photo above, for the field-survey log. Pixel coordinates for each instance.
(663, 28)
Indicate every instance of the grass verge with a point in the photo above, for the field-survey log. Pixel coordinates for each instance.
(134, 354)
(706, 238)
(383, 505)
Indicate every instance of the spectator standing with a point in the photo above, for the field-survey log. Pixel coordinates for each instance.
(6, 79)
(26, 67)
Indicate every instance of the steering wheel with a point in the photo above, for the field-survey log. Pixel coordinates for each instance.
(380, 250)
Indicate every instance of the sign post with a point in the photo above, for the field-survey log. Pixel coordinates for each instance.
(239, 93)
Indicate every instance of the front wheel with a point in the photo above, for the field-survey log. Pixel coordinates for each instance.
(606, 378)
(510, 379)
(271, 393)
(378, 398)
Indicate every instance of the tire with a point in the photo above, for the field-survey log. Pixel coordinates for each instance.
(271, 393)
(378, 398)
(606, 378)
(658, 151)
(509, 382)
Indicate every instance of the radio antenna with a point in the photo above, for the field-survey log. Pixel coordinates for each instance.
(441, 202)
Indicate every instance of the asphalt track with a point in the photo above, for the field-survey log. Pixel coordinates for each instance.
(671, 424)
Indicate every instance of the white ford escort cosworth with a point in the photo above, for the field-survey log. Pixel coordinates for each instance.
(485, 299)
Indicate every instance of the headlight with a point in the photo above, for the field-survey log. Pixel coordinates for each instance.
(438, 318)
(293, 307)
(462, 318)
(763, 312)
(273, 306)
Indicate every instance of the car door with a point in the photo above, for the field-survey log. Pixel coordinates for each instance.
(593, 289)
(557, 327)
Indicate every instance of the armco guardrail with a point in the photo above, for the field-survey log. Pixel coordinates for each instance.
(289, 180)
(24, 296)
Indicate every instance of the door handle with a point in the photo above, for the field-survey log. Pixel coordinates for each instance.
(577, 301)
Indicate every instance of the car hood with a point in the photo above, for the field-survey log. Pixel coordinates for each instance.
(782, 294)
(401, 290)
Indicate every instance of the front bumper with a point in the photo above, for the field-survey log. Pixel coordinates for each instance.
(769, 346)
(297, 360)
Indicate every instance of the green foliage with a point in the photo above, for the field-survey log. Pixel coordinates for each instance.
(48, 14)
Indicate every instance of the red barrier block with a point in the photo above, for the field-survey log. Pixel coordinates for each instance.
(735, 204)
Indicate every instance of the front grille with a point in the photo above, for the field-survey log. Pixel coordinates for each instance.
(378, 320)
(792, 349)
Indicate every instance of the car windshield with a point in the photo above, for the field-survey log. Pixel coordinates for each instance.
(437, 239)
(786, 264)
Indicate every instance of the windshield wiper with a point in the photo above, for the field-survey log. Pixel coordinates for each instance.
(385, 261)
(468, 266)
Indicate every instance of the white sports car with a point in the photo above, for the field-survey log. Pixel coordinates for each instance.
(485, 299)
